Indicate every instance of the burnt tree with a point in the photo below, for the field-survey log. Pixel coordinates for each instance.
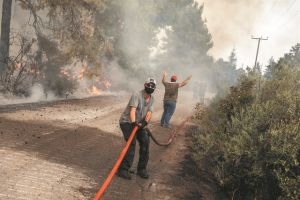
(5, 31)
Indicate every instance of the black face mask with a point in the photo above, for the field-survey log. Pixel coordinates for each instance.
(149, 90)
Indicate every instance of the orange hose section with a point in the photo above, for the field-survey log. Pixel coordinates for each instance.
(177, 130)
(116, 166)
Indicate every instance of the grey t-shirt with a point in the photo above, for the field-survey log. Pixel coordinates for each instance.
(138, 101)
(171, 91)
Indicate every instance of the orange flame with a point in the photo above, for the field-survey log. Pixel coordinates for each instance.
(106, 83)
(18, 66)
(90, 76)
(34, 71)
(94, 91)
(65, 72)
(82, 73)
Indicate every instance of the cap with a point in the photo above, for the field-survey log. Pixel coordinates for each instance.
(174, 77)
(150, 83)
(151, 80)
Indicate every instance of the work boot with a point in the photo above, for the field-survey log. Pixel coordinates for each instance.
(123, 173)
(143, 173)
(165, 125)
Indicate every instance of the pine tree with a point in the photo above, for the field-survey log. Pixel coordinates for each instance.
(188, 39)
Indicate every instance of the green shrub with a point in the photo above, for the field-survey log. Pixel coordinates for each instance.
(250, 139)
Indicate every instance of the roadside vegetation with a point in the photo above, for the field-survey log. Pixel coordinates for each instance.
(250, 137)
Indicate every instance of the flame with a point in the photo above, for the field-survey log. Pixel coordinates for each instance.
(64, 72)
(33, 71)
(106, 83)
(88, 76)
(82, 72)
(18, 66)
(94, 91)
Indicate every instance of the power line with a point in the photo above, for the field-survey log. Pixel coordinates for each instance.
(282, 16)
(286, 22)
(271, 8)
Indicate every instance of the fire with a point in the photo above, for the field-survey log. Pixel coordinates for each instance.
(106, 83)
(34, 71)
(92, 77)
(82, 72)
(65, 72)
(18, 66)
(94, 91)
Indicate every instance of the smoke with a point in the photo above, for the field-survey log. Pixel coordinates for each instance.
(233, 22)
(132, 63)
(230, 19)
(145, 48)
(140, 47)
(37, 94)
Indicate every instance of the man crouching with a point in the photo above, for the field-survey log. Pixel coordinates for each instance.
(137, 113)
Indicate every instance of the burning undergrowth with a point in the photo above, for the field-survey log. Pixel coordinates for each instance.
(90, 80)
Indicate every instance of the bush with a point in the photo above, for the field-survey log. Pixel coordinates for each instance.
(251, 138)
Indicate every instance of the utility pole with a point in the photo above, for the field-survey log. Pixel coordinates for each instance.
(259, 39)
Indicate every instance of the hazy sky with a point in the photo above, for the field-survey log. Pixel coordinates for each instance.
(233, 22)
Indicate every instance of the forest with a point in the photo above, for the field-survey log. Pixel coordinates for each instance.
(59, 43)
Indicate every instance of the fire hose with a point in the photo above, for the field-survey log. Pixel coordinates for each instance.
(106, 183)
(172, 136)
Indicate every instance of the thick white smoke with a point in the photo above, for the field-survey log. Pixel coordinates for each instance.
(232, 22)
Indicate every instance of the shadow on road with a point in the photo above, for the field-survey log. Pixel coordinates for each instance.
(87, 150)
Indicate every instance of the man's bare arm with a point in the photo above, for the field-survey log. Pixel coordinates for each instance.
(185, 82)
(148, 116)
(164, 77)
(132, 114)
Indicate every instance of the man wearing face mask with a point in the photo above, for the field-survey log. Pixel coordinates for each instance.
(137, 113)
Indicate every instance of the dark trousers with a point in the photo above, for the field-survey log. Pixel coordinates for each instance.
(169, 109)
(143, 139)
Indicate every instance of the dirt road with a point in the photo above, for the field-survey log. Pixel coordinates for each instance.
(65, 149)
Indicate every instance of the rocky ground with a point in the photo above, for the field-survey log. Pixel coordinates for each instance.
(65, 149)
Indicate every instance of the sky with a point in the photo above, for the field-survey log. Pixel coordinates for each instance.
(232, 23)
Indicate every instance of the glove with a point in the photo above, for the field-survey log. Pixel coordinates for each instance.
(143, 123)
(134, 124)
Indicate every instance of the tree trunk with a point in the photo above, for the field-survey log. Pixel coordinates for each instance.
(5, 31)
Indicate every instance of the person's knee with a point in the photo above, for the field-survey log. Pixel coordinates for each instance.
(171, 113)
(145, 140)
(131, 153)
(132, 145)
(145, 147)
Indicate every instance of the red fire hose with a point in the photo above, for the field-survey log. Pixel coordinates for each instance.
(172, 136)
(100, 193)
